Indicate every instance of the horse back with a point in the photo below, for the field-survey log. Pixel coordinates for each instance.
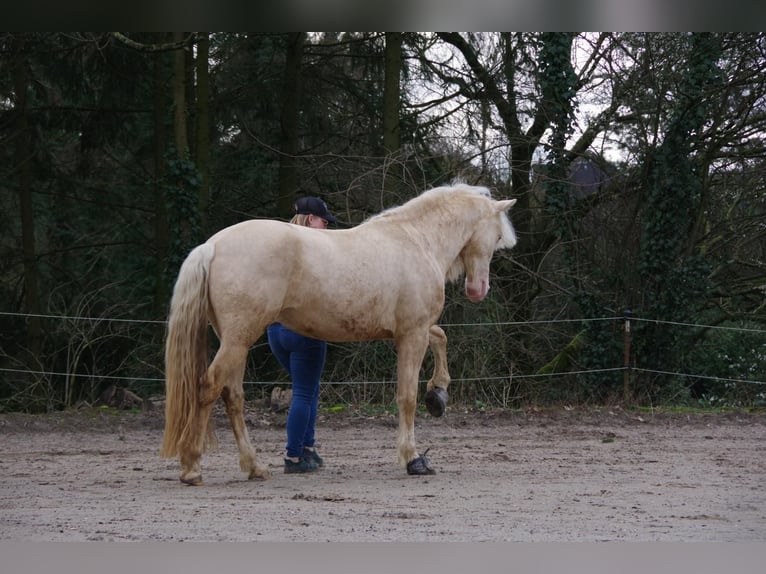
(340, 285)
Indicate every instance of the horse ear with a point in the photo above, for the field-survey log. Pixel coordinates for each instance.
(504, 205)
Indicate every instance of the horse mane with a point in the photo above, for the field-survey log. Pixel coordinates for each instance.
(439, 200)
(442, 203)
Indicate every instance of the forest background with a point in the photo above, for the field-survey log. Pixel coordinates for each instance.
(637, 159)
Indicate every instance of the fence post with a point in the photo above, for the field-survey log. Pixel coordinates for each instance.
(626, 314)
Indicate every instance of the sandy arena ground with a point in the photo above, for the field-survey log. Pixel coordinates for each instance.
(560, 475)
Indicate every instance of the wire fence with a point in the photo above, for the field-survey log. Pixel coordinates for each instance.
(506, 377)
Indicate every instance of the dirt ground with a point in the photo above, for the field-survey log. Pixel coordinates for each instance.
(558, 475)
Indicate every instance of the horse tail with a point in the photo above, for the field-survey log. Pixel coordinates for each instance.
(186, 350)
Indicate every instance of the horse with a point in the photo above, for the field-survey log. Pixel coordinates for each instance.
(383, 279)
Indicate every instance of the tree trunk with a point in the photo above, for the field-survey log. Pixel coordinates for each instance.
(391, 97)
(23, 168)
(161, 224)
(391, 93)
(179, 99)
(288, 160)
(203, 127)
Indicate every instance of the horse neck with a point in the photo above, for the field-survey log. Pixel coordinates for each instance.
(443, 234)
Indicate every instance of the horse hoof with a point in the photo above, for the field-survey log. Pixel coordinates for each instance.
(420, 466)
(192, 480)
(260, 473)
(436, 401)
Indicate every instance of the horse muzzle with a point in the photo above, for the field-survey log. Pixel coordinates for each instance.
(476, 290)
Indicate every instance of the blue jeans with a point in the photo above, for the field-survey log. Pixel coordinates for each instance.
(303, 358)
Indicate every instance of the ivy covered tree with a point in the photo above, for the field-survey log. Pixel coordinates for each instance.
(674, 273)
(636, 159)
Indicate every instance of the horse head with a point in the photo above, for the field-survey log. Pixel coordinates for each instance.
(492, 232)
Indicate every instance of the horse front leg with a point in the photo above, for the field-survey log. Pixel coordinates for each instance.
(436, 391)
(410, 351)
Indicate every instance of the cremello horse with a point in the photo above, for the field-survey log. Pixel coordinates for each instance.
(383, 279)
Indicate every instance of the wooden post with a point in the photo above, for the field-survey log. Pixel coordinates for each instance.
(627, 314)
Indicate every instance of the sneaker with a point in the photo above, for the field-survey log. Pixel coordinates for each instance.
(303, 465)
(312, 456)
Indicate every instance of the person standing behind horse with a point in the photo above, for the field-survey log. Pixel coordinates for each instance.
(303, 358)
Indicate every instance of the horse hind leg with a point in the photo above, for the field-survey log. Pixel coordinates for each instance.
(200, 437)
(228, 367)
(234, 399)
(436, 396)
(201, 434)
